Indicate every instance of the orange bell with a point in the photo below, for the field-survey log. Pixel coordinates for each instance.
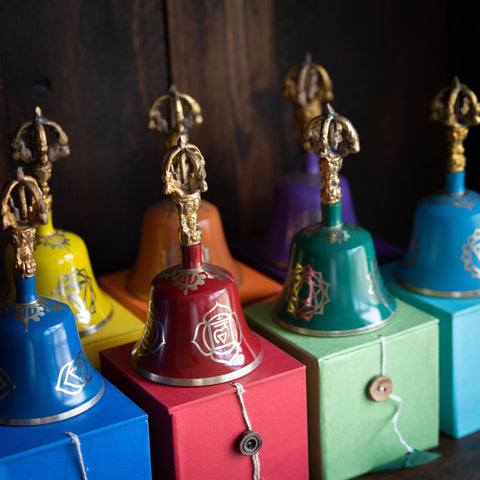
(174, 114)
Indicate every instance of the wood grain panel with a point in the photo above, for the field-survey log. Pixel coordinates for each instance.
(222, 53)
(95, 68)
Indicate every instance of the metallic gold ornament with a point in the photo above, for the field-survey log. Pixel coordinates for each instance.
(38, 160)
(332, 138)
(308, 85)
(174, 114)
(457, 108)
(183, 173)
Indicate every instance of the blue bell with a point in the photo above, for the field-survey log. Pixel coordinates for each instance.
(44, 373)
(443, 257)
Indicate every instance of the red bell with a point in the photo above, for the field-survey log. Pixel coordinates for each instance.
(174, 114)
(195, 332)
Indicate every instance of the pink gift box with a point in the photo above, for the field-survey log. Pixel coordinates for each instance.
(194, 430)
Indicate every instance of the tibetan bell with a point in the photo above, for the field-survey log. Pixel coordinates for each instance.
(195, 332)
(175, 114)
(64, 271)
(296, 201)
(333, 285)
(44, 373)
(442, 258)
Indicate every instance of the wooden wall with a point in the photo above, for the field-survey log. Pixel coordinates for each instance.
(96, 66)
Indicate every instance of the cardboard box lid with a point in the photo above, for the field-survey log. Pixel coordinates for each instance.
(275, 363)
(113, 410)
(406, 319)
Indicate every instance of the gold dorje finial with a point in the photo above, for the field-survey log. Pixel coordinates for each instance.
(174, 114)
(332, 138)
(457, 108)
(308, 85)
(183, 175)
(30, 146)
(23, 208)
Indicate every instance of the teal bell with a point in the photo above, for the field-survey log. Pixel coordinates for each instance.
(333, 285)
(45, 376)
(443, 257)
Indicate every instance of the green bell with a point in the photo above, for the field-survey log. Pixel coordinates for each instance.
(333, 285)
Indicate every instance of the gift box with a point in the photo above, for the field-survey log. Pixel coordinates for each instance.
(123, 327)
(112, 438)
(254, 288)
(194, 430)
(349, 434)
(459, 354)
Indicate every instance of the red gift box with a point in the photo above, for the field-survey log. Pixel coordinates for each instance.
(194, 430)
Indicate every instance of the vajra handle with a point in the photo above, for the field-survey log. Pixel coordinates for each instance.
(457, 108)
(332, 138)
(23, 208)
(174, 114)
(308, 85)
(183, 175)
(30, 146)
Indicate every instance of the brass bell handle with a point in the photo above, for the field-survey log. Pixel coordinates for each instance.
(183, 175)
(23, 208)
(458, 109)
(332, 138)
(30, 146)
(308, 85)
(174, 114)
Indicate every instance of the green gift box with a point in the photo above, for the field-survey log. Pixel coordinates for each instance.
(350, 434)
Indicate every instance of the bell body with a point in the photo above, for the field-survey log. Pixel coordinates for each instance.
(296, 206)
(64, 272)
(195, 332)
(159, 248)
(443, 257)
(44, 374)
(333, 285)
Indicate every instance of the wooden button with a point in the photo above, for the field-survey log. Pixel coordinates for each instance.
(249, 443)
(379, 388)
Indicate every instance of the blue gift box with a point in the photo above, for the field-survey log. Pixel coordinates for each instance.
(459, 340)
(114, 443)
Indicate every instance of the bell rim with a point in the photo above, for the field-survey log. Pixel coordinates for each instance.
(199, 382)
(429, 292)
(336, 333)
(95, 328)
(29, 422)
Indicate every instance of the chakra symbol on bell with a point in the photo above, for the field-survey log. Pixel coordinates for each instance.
(219, 335)
(74, 375)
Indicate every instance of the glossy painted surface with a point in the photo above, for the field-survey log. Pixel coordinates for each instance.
(159, 247)
(333, 285)
(296, 205)
(442, 259)
(195, 332)
(44, 374)
(64, 272)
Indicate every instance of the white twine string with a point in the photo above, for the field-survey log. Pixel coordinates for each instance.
(395, 398)
(76, 442)
(255, 459)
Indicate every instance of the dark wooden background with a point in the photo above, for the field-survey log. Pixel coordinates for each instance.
(95, 67)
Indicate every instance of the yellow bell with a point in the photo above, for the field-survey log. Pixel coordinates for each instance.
(64, 271)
